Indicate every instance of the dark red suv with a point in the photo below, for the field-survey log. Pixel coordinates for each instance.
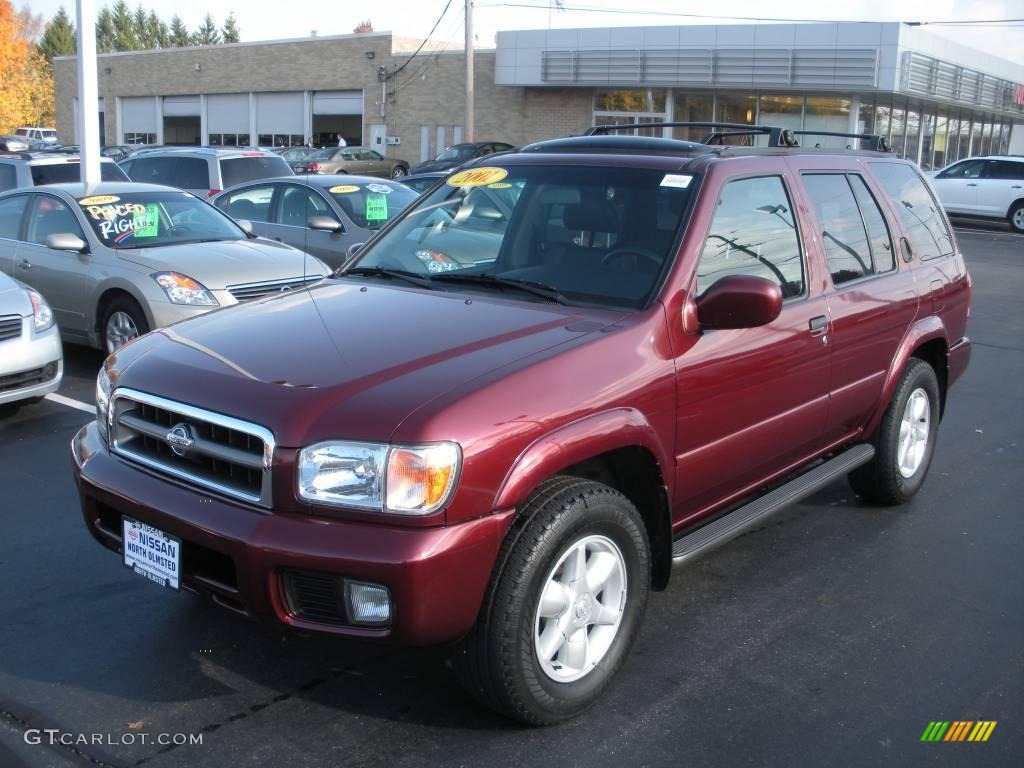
(555, 376)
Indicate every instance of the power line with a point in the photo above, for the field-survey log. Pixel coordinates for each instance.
(429, 35)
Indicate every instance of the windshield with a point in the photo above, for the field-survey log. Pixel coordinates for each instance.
(372, 205)
(153, 219)
(465, 152)
(238, 170)
(595, 237)
(67, 173)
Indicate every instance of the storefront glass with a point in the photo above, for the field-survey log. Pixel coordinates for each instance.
(940, 142)
(897, 130)
(910, 148)
(692, 107)
(631, 106)
(827, 113)
(736, 108)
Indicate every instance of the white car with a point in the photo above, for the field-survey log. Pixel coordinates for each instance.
(31, 361)
(987, 187)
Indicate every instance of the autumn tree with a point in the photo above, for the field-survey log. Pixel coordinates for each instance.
(363, 26)
(26, 85)
(59, 37)
(231, 33)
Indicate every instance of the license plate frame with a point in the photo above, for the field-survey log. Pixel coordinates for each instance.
(151, 553)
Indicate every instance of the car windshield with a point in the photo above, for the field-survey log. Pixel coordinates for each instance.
(68, 173)
(593, 237)
(372, 205)
(238, 170)
(464, 152)
(153, 219)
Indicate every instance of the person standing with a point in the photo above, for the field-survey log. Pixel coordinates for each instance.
(341, 141)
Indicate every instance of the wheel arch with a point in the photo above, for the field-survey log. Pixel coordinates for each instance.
(110, 291)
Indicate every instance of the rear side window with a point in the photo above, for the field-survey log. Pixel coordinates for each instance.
(191, 173)
(11, 210)
(112, 172)
(8, 176)
(852, 227)
(250, 204)
(51, 217)
(238, 170)
(917, 209)
(1004, 169)
(68, 173)
(153, 170)
(753, 233)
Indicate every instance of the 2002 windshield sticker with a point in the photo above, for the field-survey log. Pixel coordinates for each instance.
(121, 221)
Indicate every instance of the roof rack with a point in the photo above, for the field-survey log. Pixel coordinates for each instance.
(869, 141)
(777, 136)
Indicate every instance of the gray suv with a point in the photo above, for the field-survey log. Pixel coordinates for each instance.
(204, 171)
(33, 169)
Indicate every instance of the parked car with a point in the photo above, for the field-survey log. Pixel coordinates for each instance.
(321, 215)
(460, 154)
(117, 152)
(986, 187)
(295, 156)
(203, 171)
(13, 144)
(364, 162)
(668, 343)
(119, 259)
(38, 134)
(421, 182)
(31, 360)
(33, 169)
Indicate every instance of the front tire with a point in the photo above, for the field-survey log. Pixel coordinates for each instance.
(398, 172)
(904, 441)
(123, 320)
(564, 606)
(1016, 217)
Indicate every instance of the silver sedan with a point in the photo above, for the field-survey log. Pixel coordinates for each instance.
(31, 363)
(119, 259)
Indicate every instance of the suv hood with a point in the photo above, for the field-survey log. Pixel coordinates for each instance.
(346, 359)
(228, 262)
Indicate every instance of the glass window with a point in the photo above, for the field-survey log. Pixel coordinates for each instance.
(637, 100)
(693, 108)
(883, 257)
(238, 170)
(829, 114)
(191, 173)
(883, 118)
(11, 210)
(371, 206)
(736, 108)
(977, 126)
(968, 169)
(753, 233)
(842, 230)
(251, 203)
(920, 213)
(784, 111)
(8, 176)
(297, 204)
(64, 173)
(51, 217)
(898, 126)
(940, 142)
(1005, 169)
(964, 145)
(910, 149)
(153, 170)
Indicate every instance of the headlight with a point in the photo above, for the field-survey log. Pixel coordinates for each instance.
(42, 315)
(102, 401)
(404, 480)
(184, 290)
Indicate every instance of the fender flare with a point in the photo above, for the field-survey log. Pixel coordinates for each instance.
(575, 442)
(118, 283)
(922, 331)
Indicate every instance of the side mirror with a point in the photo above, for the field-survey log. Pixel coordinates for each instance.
(245, 225)
(324, 224)
(65, 241)
(739, 301)
(354, 249)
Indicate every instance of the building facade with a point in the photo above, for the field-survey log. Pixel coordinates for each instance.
(936, 101)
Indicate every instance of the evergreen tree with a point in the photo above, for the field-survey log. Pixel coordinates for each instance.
(106, 36)
(180, 36)
(158, 31)
(231, 32)
(125, 38)
(207, 34)
(140, 23)
(59, 37)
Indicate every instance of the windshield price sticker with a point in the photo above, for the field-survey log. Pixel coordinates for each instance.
(344, 189)
(85, 202)
(499, 185)
(376, 208)
(147, 224)
(380, 188)
(679, 180)
(476, 177)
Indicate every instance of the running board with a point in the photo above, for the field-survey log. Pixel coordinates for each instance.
(750, 515)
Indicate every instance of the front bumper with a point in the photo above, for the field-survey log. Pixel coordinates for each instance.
(238, 556)
(21, 358)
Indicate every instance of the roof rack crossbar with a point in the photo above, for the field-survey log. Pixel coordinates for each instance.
(869, 141)
(777, 136)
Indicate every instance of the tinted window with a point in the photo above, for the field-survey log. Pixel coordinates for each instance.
(8, 176)
(298, 204)
(842, 232)
(11, 209)
(1004, 169)
(969, 169)
(153, 170)
(883, 257)
(920, 214)
(51, 217)
(373, 205)
(251, 203)
(63, 173)
(753, 233)
(191, 173)
(239, 170)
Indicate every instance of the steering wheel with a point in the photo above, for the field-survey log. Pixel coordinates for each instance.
(645, 253)
(178, 228)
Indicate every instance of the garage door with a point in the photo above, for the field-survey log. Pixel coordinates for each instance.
(279, 113)
(227, 113)
(181, 106)
(338, 103)
(138, 114)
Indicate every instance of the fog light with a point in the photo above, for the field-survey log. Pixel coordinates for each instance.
(49, 371)
(367, 603)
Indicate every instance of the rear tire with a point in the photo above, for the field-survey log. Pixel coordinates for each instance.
(905, 439)
(1016, 217)
(399, 172)
(564, 605)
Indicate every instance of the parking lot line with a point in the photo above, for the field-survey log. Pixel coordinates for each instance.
(71, 403)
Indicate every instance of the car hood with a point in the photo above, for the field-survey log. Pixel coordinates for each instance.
(13, 298)
(228, 262)
(345, 359)
(435, 165)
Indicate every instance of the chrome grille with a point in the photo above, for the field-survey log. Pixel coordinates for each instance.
(10, 327)
(252, 291)
(203, 448)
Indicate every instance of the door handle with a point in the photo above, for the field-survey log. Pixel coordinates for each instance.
(817, 325)
(278, 239)
(25, 264)
(1016, 186)
(972, 184)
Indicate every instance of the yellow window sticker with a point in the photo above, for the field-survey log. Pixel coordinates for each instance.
(499, 185)
(344, 189)
(477, 177)
(98, 200)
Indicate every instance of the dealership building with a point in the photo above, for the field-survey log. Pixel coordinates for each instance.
(936, 100)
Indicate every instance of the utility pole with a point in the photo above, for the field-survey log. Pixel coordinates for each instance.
(468, 136)
(88, 126)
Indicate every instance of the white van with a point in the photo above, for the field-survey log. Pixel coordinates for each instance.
(49, 135)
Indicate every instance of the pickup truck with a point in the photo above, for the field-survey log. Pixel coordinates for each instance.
(658, 344)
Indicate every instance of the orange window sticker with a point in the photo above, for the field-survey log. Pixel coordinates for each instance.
(477, 177)
(98, 200)
(344, 189)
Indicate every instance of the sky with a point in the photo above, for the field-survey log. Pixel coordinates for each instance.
(263, 20)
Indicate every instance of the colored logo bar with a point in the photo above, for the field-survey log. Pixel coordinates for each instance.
(958, 730)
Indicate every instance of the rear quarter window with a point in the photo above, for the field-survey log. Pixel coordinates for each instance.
(237, 170)
(153, 170)
(8, 176)
(191, 173)
(11, 210)
(919, 212)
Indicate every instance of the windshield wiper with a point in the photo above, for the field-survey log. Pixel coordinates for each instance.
(399, 274)
(542, 290)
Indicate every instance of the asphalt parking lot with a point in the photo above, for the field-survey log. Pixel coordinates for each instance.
(832, 636)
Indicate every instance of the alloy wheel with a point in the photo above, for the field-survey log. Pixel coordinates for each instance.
(121, 329)
(914, 431)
